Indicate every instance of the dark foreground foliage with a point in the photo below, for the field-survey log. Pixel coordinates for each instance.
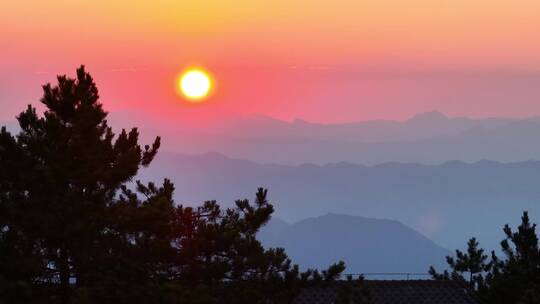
(74, 228)
(512, 279)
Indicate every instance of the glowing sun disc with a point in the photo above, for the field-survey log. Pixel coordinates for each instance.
(195, 84)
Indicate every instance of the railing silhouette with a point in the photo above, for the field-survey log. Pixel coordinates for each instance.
(392, 275)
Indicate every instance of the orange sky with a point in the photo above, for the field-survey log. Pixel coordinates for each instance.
(319, 60)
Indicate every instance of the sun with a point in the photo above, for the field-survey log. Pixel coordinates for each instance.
(195, 84)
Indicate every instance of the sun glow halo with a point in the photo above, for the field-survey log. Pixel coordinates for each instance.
(195, 84)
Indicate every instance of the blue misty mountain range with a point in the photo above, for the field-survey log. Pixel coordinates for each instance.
(448, 203)
(414, 172)
(428, 138)
(365, 245)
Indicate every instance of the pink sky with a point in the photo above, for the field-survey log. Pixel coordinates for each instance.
(326, 61)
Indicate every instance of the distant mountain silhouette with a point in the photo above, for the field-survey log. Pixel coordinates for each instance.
(448, 203)
(428, 138)
(419, 127)
(364, 244)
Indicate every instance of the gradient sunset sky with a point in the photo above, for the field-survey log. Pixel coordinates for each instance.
(324, 61)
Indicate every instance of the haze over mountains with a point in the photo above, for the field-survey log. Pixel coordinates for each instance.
(422, 126)
(448, 203)
(447, 178)
(429, 138)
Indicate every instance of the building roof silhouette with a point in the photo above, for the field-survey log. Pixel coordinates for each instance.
(394, 292)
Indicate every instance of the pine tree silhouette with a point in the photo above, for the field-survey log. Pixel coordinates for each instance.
(75, 228)
(515, 278)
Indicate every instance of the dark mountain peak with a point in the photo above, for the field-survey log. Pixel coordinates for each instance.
(365, 244)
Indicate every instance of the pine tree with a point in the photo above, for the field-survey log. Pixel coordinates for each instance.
(220, 246)
(467, 267)
(519, 271)
(74, 228)
(20, 257)
(69, 166)
(509, 280)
